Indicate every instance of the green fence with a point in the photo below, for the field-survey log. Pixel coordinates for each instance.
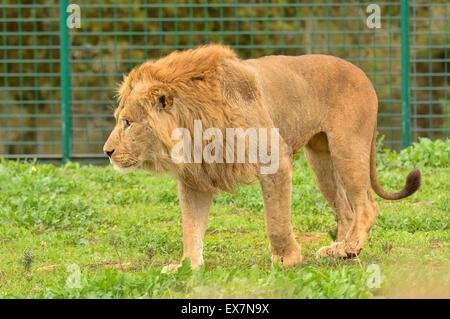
(57, 84)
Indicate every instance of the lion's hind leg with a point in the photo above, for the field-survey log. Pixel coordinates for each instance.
(351, 168)
(318, 156)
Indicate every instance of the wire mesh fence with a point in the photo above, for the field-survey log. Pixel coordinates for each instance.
(29, 80)
(47, 70)
(430, 60)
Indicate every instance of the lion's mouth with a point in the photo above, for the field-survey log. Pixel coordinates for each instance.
(125, 167)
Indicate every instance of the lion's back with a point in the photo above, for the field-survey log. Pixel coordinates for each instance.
(312, 73)
(299, 92)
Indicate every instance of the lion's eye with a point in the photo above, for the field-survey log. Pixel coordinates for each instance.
(126, 124)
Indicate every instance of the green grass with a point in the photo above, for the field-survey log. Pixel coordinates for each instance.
(122, 229)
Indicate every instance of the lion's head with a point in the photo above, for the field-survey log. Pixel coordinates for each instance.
(160, 96)
(144, 120)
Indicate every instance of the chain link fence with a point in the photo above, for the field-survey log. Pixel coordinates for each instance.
(57, 84)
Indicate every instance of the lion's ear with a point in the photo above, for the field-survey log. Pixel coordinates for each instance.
(164, 101)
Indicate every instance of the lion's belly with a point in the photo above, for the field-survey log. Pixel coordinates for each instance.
(302, 93)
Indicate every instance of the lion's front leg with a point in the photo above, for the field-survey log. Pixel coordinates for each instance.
(195, 209)
(277, 201)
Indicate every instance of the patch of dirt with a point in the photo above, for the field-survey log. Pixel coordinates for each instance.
(308, 238)
(127, 265)
(47, 268)
(228, 231)
(420, 203)
(437, 243)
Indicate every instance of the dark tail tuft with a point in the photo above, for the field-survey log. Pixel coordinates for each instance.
(412, 183)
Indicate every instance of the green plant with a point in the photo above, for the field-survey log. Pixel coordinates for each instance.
(425, 153)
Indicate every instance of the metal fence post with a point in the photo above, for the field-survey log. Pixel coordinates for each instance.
(66, 94)
(404, 25)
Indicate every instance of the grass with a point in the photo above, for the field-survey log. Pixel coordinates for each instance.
(86, 231)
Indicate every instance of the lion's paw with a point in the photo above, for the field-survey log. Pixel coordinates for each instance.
(291, 260)
(339, 249)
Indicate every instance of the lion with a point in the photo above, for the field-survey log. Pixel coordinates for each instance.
(320, 103)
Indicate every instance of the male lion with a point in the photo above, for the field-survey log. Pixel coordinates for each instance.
(321, 103)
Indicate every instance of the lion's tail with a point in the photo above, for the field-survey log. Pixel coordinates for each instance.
(412, 181)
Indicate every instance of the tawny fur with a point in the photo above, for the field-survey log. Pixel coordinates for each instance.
(321, 103)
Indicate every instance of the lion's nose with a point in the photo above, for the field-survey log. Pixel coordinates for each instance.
(109, 153)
